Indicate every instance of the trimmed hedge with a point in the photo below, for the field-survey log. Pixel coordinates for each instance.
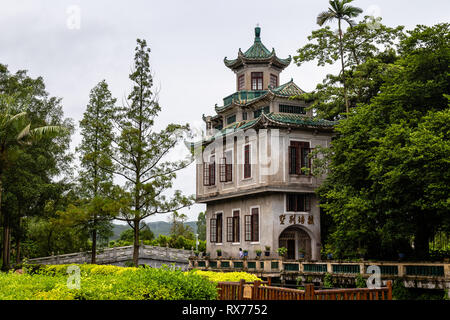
(103, 282)
(227, 276)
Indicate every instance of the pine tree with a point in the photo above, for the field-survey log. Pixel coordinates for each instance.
(139, 151)
(96, 177)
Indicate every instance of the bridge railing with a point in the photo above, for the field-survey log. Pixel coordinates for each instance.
(117, 254)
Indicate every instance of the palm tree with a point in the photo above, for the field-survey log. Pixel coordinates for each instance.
(15, 132)
(340, 10)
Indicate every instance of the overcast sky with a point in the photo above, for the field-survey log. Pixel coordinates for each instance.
(188, 39)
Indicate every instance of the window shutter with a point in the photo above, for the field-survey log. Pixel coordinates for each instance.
(206, 174)
(230, 229)
(212, 174)
(212, 230)
(222, 170)
(248, 227)
(229, 172)
(236, 235)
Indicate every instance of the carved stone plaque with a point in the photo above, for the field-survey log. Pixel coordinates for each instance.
(247, 292)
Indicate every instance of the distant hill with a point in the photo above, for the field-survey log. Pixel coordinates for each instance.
(157, 227)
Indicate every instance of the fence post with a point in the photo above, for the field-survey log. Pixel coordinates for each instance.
(269, 281)
(309, 292)
(389, 294)
(241, 289)
(255, 295)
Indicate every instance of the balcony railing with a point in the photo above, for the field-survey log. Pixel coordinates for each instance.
(243, 96)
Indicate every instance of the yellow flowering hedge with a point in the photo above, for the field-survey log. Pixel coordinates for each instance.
(227, 276)
(98, 282)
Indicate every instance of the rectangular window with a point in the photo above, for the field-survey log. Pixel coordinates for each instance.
(252, 225)
(247, 165)
(291, 109)
(298, 157)
(296, 202)
(215, 229)
(257, 80)
(241, 82)
(244, 115)
(233, 227)
(231, 119)
(273, 81)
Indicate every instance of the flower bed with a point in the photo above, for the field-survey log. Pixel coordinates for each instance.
(99, 282)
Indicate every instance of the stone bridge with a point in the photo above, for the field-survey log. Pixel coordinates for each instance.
(148, 255)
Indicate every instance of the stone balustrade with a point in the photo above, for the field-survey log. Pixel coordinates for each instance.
(149, 255)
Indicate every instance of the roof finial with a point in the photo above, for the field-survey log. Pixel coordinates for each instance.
(257, 33)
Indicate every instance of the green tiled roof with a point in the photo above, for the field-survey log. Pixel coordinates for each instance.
(257, 53)
(288, 89)
(300, 120)
(281, 119)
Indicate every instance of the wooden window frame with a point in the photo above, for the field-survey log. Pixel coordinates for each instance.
(298, 157)
(294, 202)
(252, 225)
(215, 228)
(247, 162)
(257, 81)
(225, 171)
(233, 226)
(273, 76)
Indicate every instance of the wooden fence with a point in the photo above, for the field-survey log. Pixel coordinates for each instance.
(256, 291)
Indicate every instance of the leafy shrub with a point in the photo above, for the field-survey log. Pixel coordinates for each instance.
(105, 282)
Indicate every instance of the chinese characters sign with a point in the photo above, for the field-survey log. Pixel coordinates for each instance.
(296, 219)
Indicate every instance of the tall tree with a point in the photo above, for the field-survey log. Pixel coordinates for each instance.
(15, 132)
(201, 226)
(178, 227)
(340, 10)
(368, 52)
(388, 180)
(96, 177)
(140, 151)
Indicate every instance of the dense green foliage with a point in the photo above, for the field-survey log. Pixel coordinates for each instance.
(34, 143)
(389, 167)
(106, 283)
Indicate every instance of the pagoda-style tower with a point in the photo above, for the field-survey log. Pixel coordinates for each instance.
(254, 165)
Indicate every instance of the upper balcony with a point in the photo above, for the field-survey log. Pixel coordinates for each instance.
(243, 96)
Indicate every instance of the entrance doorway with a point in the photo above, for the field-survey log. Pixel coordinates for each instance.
(295, 239)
